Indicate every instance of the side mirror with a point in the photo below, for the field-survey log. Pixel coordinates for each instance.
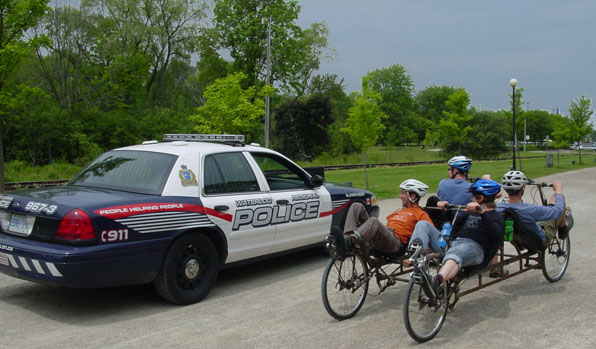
(316, 181)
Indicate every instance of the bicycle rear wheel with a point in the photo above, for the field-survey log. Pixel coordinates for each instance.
(555, 258)
(344, 286)
(423, 316)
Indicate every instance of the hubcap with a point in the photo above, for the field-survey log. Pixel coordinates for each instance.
(191, 269)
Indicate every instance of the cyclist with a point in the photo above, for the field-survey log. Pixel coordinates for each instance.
(454, 189)
(544, 221)
(360, 228)
(479, 235)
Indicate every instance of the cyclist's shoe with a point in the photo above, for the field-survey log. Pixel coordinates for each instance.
(562, 232)
(498, 272)
(341, 243)
(430, 285)
(414, 246)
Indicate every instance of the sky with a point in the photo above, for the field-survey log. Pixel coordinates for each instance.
(549, 46)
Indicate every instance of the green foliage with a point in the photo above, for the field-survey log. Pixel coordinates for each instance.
(22, 171)
(456, 125)
(301, 126)
(580, 111)
(364, 123)
(431, 101)
(230, 108)
(487, 135)
(395, 88)
(16, 18)
(242, 27)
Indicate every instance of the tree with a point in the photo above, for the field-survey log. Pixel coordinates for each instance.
(230, 108)
(365, 121)
(456, 124)
(430, 102)
(162, 30)
(241, 28)
(16, 18)
(333, 88)
(396, 88)
(487, 135)
(580, 111)
(301, 125)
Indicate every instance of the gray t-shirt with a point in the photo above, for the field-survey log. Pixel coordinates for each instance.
(454, 191)
(530, 214)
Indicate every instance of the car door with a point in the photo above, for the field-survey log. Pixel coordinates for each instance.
(298, 209)
(237, 203)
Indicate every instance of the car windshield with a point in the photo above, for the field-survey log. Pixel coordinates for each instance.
(135, 171)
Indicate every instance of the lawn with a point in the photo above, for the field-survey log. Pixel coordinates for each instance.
(384, 181)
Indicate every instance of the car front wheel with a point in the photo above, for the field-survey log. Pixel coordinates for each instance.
(189, 270)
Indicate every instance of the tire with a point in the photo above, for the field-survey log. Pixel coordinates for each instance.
(555, 258)
(189, 270)
(344, 286)
(422, 319)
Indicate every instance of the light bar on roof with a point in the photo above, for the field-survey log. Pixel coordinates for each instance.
(203, 138)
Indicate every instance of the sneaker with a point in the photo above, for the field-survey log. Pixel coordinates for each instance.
(431, 285)
(341, 243)
(498, 272)
(562, 232)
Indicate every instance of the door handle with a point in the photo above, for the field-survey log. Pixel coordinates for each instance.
(282, 202)
(221, 208)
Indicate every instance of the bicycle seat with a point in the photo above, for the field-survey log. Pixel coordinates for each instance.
(523, 238)
(390, 257)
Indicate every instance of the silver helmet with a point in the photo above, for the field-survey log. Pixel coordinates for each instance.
(514, 180)
(412, 185)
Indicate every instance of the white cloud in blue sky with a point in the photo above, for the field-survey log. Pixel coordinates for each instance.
(547, 45)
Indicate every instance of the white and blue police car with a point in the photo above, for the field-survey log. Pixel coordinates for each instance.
(172, 213)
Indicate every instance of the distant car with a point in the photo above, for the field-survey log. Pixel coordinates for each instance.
(573, 146)
(172, 213)
(588, 146)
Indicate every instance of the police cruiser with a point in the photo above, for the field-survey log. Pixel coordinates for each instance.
(172, 213)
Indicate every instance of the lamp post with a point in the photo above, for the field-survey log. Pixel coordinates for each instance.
(513, 83)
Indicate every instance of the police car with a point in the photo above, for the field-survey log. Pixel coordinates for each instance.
(172, 213)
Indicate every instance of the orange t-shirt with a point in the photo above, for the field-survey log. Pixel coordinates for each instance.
(403, 221)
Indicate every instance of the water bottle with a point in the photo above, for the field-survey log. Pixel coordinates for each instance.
(445, 233)
(508, 230)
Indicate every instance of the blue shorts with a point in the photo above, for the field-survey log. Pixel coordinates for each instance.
(465, 252)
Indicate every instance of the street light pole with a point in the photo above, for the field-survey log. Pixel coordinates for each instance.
(513, 83)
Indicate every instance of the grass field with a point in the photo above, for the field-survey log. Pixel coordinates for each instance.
(384, 181)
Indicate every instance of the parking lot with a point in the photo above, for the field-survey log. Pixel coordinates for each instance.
(277, 303)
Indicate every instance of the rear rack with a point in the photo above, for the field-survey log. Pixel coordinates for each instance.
(221, 138)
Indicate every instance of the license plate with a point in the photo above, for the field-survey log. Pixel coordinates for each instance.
(18, 224)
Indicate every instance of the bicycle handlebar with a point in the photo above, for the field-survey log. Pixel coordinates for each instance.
(541, 184)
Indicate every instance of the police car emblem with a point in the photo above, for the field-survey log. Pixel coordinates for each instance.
(187, 177)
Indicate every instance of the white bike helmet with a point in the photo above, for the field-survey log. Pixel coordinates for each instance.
(414, 186)
(514, 180)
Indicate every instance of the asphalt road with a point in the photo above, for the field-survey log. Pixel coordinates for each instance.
(277, 303)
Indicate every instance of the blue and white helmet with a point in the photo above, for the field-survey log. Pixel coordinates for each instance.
(486, 187)
(461, 163)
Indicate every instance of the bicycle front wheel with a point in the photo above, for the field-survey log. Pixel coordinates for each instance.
(344, 286)
(555, 258)
(423, 316)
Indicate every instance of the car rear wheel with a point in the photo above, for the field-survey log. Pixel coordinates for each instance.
(189, 270)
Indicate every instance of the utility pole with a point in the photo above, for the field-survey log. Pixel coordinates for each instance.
(526, 125)
(268, 82)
